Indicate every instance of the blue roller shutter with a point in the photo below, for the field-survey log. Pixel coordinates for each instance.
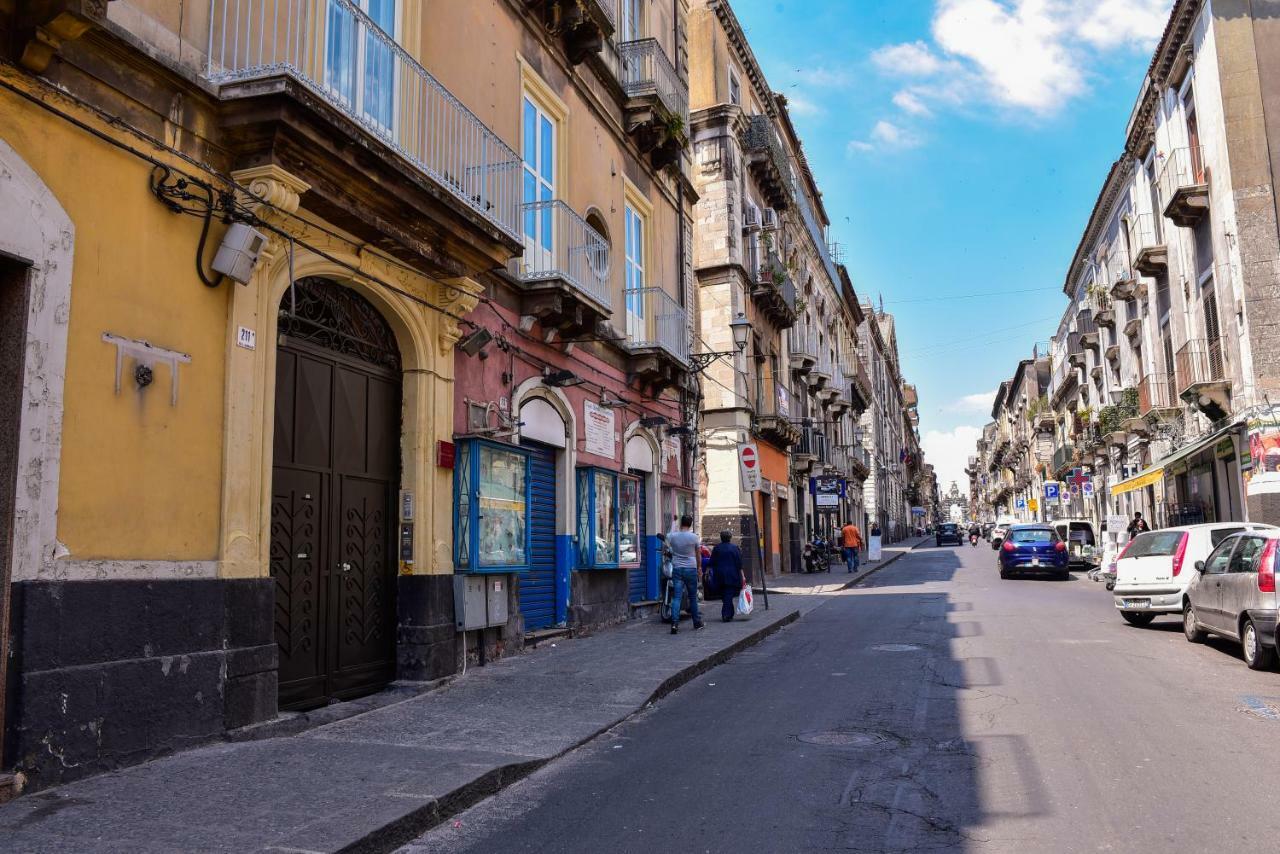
(538, 585)
(638, 578)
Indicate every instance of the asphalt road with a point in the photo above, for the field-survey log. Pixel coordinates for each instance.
(935, 708)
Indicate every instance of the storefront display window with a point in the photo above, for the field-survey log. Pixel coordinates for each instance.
(676, 503)
(491, 503)
(608, 519)
(629, 521)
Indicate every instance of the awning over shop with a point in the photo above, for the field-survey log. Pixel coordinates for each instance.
(1151, 475)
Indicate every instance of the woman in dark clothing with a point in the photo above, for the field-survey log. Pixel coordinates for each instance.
(726, 572)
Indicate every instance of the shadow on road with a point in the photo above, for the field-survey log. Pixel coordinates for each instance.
(853, 730)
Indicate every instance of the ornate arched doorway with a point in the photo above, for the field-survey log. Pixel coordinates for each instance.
(335, 473)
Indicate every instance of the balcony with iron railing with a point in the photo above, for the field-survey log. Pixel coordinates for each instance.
(1199, 364)
(767, 160)
(802, 343)
(657, 336)
(1063, 457)
(583, 25)
(657, 100)
(859, 383)
(774, 419)
(823, 372)
(1120, 273)
(1156, 394)
(1076, 356)
(1101, 306)
(1147, 243)
(1087, 328)
(772, 288)
(1132, 316)
(1184, 186)
(356, 76)
(563, 256)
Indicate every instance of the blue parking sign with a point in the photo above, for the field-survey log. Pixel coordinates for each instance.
(1020, 503)
(1051, 491)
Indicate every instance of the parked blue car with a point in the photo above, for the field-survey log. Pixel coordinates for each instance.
(1034, 549)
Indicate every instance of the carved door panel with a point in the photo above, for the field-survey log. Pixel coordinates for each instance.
(335, 477)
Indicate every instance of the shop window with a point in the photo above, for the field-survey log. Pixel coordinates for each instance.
(675, 504)
(608, 519)
(491, 500)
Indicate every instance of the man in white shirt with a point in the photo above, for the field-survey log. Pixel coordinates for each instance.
(686, 550)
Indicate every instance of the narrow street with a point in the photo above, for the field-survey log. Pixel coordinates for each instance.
(933, 708)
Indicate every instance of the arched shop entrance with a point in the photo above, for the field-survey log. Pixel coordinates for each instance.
(335, 472)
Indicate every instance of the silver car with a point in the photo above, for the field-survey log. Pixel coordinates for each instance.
(1233, 595)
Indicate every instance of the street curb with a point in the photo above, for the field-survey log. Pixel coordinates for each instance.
(408, 827)
(867, 573)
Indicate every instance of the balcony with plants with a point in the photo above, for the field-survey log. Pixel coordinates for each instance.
(1184, 186)
(1113, 420)
(657, 101)
(773, 418)
(768, 161)
(310, 82)
(1101, 306)
(773, 288)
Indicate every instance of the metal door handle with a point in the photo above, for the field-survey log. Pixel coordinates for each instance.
(345, 567)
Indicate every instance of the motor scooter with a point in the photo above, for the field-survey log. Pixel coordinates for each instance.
(973, 539)
(816, 557)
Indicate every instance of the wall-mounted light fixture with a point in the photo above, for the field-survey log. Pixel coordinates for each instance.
(741, 329)
(475, 342)
(563, 378)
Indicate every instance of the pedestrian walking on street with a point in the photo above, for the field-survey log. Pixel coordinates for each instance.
(726, 573)
(686, 554)
(851, 539)
(1138, 525)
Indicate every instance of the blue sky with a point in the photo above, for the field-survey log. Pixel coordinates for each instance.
(959, 145)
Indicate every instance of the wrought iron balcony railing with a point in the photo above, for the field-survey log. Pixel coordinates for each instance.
(647, 71)
(1156, 392)
(1183, 168)
(560, 245)
(1199, 362)
(656, 321)
(337, 52)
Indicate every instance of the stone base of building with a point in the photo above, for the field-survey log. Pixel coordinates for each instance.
(598, 598)
(427, 640)
(111, 673)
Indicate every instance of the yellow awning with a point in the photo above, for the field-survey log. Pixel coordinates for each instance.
(1138, 481)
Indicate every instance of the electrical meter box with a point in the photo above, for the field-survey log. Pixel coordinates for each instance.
(480, 601)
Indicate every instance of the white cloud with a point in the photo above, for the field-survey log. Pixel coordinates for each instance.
(949, 453)
(886, 136)
(980, 402)
(1029, 56)
(914, 59)
(824, 77)
(909, 102)
(889, 135)
(802, 106)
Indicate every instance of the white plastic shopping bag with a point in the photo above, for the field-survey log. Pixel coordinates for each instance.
(745, 602)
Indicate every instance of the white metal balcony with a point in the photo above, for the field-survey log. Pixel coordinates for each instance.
(648, 72)
(333, 49)
(1184, 186)
(655, 321)
(561, 247)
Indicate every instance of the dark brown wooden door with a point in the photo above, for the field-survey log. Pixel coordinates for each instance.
(334, 483)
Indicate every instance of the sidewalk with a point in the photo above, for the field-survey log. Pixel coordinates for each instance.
(374, 781)
(838, 578)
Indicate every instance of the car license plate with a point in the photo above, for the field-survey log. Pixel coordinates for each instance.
(1137, 603)
(1035, 561)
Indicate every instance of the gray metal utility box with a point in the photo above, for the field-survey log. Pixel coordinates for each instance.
(480, 601)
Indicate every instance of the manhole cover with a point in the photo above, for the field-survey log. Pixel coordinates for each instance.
(895, 647)
(846, 739)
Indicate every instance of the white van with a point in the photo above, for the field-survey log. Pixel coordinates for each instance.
(1081, 542)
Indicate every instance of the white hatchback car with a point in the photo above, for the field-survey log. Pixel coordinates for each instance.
(1155, 568)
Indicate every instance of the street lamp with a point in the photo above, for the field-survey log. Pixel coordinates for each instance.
(741, 329)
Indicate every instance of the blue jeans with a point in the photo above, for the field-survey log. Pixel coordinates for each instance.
(851, 559)
(684, 579)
